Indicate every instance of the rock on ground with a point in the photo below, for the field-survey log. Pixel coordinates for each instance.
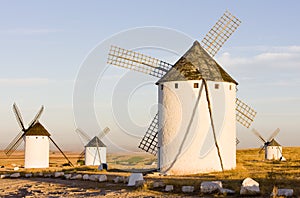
(15, 175)
(187, 189)
(85, 177)
(27, 175)
(102, 178)
(158, 184)
(283, 192)
(249, 187)
(59, 174)
(139, 183)
(169, 188)
(68, 176)
(94, 177)
(134, 177)
(78, 176)
(209, 187)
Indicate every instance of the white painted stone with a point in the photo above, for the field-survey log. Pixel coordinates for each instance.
(102, 178)
(16, 168)
(68, 176)
(27, 175)
(134, 177)
(226, 191)
(249, 187)
(85, 177)
(187, 189)
(169, 188)
(78, 176)
(282, 159)
(94, 177)
(209, 187)
(119, 179)
(59, 174)
(284, 192)
(158, 184)
(139, 183)
(4, 176)
(48, 175)
(15, 175)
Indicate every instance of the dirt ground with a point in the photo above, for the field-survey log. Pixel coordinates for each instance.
(249, 164)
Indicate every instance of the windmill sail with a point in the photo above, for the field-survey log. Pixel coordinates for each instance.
(14, 144)
(149, 142)
(138, 62)
(272, 136)
(36, 118)
(220, 32)
(244, 114)
(18, 116)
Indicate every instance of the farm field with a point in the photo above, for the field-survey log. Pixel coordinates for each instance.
(249, 164)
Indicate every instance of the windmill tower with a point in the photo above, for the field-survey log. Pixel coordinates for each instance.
(199, 105)
(36, 139)
(95, 150)
(273, 150)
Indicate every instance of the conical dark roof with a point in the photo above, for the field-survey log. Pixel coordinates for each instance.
(37, 130)
(273, 142)
(196, 64)
(95, 142)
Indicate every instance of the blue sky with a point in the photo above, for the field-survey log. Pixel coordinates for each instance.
(44, 43)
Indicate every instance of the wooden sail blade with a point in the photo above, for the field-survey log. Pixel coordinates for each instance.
(244, 114)
(18, 116)
(149, 143)
(103, 133)
(221, 31)
(36, 118)
(14, 144)
(137, 61)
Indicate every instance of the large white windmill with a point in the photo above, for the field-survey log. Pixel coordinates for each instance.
(194, 130)
(273, 150)
(36, 139)
(94, 150)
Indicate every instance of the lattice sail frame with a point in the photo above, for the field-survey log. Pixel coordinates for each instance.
(137, 61)
(244, 114)
(220, 32)
(149, 142)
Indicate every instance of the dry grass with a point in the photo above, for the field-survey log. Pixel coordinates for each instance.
(249, 164)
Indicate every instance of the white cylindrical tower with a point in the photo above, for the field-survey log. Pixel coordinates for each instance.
(37, 147)
(185, 139)
(273, 151)
(95, 152)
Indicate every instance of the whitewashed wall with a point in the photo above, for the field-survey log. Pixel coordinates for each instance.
(273, 152)
(92, 156)
(36, 152)
(186, 144)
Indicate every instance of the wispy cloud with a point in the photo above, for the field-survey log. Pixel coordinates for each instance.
(30, 31)
(273, 57)
(5, 82)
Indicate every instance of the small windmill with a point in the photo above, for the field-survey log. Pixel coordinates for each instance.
(197, 96)
(36, 139)
(95, 150)
(273, 150)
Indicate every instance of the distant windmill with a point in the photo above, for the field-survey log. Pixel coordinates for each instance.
(36, 139)
(273, 150)
(197, 95)
(95, 150)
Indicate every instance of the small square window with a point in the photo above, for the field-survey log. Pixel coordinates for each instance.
(230, 87)
(217, 86)
(176, 85)
(196, 85)
(161, 87)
